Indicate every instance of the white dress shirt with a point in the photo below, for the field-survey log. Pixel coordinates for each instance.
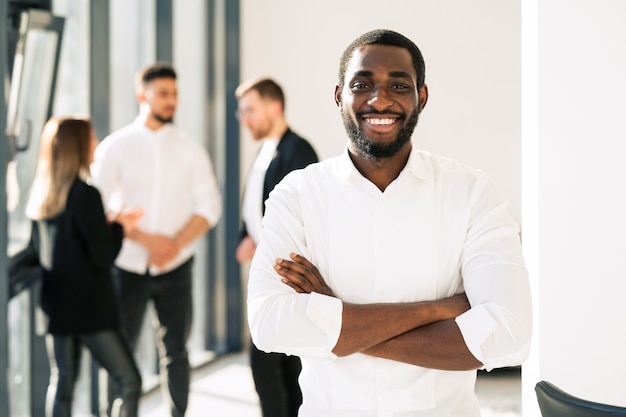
(439, 229)
(252, 210)
(164, 172)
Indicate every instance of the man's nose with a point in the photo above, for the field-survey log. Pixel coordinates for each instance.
(380, 99)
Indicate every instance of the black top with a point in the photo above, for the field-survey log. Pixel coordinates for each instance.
(293, 152)
(77, 249)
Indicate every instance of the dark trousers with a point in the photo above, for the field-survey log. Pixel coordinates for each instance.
(111, 351)
(171, 295)
(276, 380)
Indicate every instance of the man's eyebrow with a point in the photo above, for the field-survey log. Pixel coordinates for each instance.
(392, 74)
(400, 74)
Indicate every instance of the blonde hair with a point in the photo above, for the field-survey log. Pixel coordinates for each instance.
(64, 156)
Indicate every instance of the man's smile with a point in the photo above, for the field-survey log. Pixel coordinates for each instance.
(379, 121)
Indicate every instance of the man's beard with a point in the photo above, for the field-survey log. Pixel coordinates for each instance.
(375, 151)
(162, 119)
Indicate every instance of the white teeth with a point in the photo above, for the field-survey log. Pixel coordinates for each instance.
(381, 121)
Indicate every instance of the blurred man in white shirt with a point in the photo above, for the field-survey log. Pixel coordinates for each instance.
(153, 165)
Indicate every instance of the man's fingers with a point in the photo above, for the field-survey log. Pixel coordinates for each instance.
(301, 260)
(292, 285)
(294, 266)
(303, 274)
(309, 267)
(296, 279)
(298, 269)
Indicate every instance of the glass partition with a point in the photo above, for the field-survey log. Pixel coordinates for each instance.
(112, 39)
(29, 106)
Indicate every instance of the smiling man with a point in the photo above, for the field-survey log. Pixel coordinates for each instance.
(393, 273)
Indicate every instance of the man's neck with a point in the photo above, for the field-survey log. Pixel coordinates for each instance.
(278, 129)
(383, 171)
(151, 122)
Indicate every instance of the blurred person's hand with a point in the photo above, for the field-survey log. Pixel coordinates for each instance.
(129, 219)
(163, 250)
(245, 250)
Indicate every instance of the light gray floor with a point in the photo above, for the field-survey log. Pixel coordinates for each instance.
(225, 388)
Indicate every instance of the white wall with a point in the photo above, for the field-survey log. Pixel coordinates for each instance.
(581, 195)
(472, 54)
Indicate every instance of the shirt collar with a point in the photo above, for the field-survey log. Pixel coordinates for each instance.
(345, 167)
(271, 141)
(139, 125)
(415, 165)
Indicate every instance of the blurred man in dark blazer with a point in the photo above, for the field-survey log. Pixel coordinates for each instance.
(261, 110)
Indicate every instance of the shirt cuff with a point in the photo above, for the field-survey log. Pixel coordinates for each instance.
(476, 325)
(326, 313)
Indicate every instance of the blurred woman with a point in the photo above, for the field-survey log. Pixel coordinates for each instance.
(75, 245)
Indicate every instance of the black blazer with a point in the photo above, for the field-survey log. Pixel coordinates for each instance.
(293, 152)
(76, 250)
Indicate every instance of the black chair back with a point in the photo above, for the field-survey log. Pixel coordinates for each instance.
(554, 402)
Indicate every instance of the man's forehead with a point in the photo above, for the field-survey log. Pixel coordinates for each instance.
(250, 98)
(385, 58)
(252, 94)
(161, 83)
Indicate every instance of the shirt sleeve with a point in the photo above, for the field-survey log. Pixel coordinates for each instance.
(280, 319)
(206, 195)
(105, 173)
(498, 327)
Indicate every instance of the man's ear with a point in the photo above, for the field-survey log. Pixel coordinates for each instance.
(277, 108)
(423, 97)
(338, 95)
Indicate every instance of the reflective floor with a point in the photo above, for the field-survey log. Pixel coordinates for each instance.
(225, 388)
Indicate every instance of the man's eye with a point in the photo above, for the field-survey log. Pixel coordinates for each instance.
(399, 86)
(358, 86)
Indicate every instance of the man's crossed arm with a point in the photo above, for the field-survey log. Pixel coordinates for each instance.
(418, 333)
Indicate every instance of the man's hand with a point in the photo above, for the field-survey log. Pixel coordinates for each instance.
(162, 249)
(245, 250)
(302, 275)
(129, 219)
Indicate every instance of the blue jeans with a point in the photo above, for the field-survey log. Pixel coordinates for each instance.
(171, 294)
(111, 351)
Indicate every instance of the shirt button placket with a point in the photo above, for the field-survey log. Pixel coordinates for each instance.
(379, 221)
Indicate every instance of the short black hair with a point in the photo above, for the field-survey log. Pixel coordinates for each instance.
(152, 72)
(384, 37)
(266, 87)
